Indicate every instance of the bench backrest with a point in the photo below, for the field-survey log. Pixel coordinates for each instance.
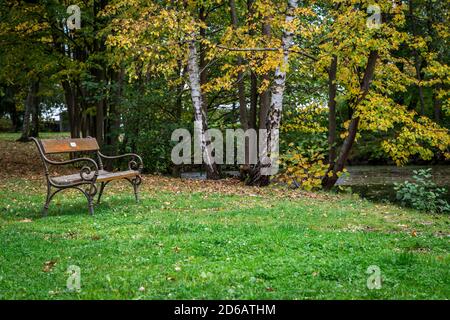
(51, 146)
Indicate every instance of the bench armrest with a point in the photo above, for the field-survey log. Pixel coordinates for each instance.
(85, 171)
(135, 163)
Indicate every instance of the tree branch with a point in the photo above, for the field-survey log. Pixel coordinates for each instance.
(266, 49)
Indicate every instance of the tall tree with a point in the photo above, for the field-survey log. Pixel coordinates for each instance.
(260, 175)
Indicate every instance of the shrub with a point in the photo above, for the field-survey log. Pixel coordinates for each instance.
(155, 146)
(303, 164)
(303, 148)
(423, 194)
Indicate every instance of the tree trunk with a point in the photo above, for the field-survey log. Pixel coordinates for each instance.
(329, 181)
(35, 111)
(211, 167)
(26, 119)
(200, 117)
(14, 117)
(100, 111)
(253, 79)
(243, 113)
(99, 72)
(257, 176)
(253, 100)
(10, 106)
(72, 110)
(114, 114)
(99, 122)
(83, 117)
(240, 77)
(203, 72)
(332, 90)
(264, 98)
(418, 65)
(30, 108)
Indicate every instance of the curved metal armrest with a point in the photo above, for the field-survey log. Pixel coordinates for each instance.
(85, 171)
(132, 165)
(58, 163)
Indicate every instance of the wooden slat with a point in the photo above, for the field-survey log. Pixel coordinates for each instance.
(109, 176)
(69, 145)
(102, 177)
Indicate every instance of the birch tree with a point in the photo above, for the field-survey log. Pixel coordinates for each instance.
(260, 175)
(200, 118)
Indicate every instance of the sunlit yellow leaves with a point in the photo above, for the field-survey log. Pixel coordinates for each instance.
(302, 171)
(417, 138)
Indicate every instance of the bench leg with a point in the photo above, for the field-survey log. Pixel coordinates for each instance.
(90, 195)
(136, 191)
(47, 200)
(102, 187)
(91, 206)
(136, 182)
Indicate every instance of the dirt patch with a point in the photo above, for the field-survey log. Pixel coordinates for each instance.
(22, 160)
(230, 186)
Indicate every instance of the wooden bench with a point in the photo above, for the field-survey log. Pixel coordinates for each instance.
(91, 172)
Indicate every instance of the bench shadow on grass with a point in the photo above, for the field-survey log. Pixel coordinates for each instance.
(77, 205)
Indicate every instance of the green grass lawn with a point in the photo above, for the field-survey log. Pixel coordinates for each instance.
(203, 241)
(212, 240)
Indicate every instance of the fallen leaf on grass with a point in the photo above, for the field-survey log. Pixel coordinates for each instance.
(176, 249)
(48, 266)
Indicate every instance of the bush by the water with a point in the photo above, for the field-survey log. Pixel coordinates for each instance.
(423, 194)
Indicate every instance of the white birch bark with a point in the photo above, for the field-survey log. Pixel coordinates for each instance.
(201, 124)
(269, 156)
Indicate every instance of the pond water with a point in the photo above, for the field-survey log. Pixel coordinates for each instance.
(377, 182)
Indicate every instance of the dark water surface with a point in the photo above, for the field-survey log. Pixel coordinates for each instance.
(377, 182)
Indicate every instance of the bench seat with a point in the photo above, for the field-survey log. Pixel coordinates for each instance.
(103, 176)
